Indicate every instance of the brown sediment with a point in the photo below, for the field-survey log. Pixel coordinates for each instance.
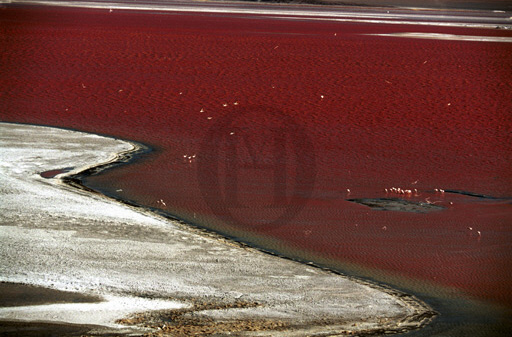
(190, 322)
(194, 321)
(185, 322)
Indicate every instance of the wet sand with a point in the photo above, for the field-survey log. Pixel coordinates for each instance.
(15, 295)
(63, 238)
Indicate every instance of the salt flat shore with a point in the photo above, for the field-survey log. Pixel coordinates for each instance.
(153, 275)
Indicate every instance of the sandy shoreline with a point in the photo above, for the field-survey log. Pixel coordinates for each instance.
(67, 239)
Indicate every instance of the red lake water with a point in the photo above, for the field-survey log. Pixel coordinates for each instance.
(263, 129)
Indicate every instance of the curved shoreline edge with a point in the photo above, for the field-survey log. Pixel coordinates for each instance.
(149, 268)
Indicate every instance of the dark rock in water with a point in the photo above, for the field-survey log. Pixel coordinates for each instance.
(396, 204)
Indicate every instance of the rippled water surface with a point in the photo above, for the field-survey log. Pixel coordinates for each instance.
(262, 129)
